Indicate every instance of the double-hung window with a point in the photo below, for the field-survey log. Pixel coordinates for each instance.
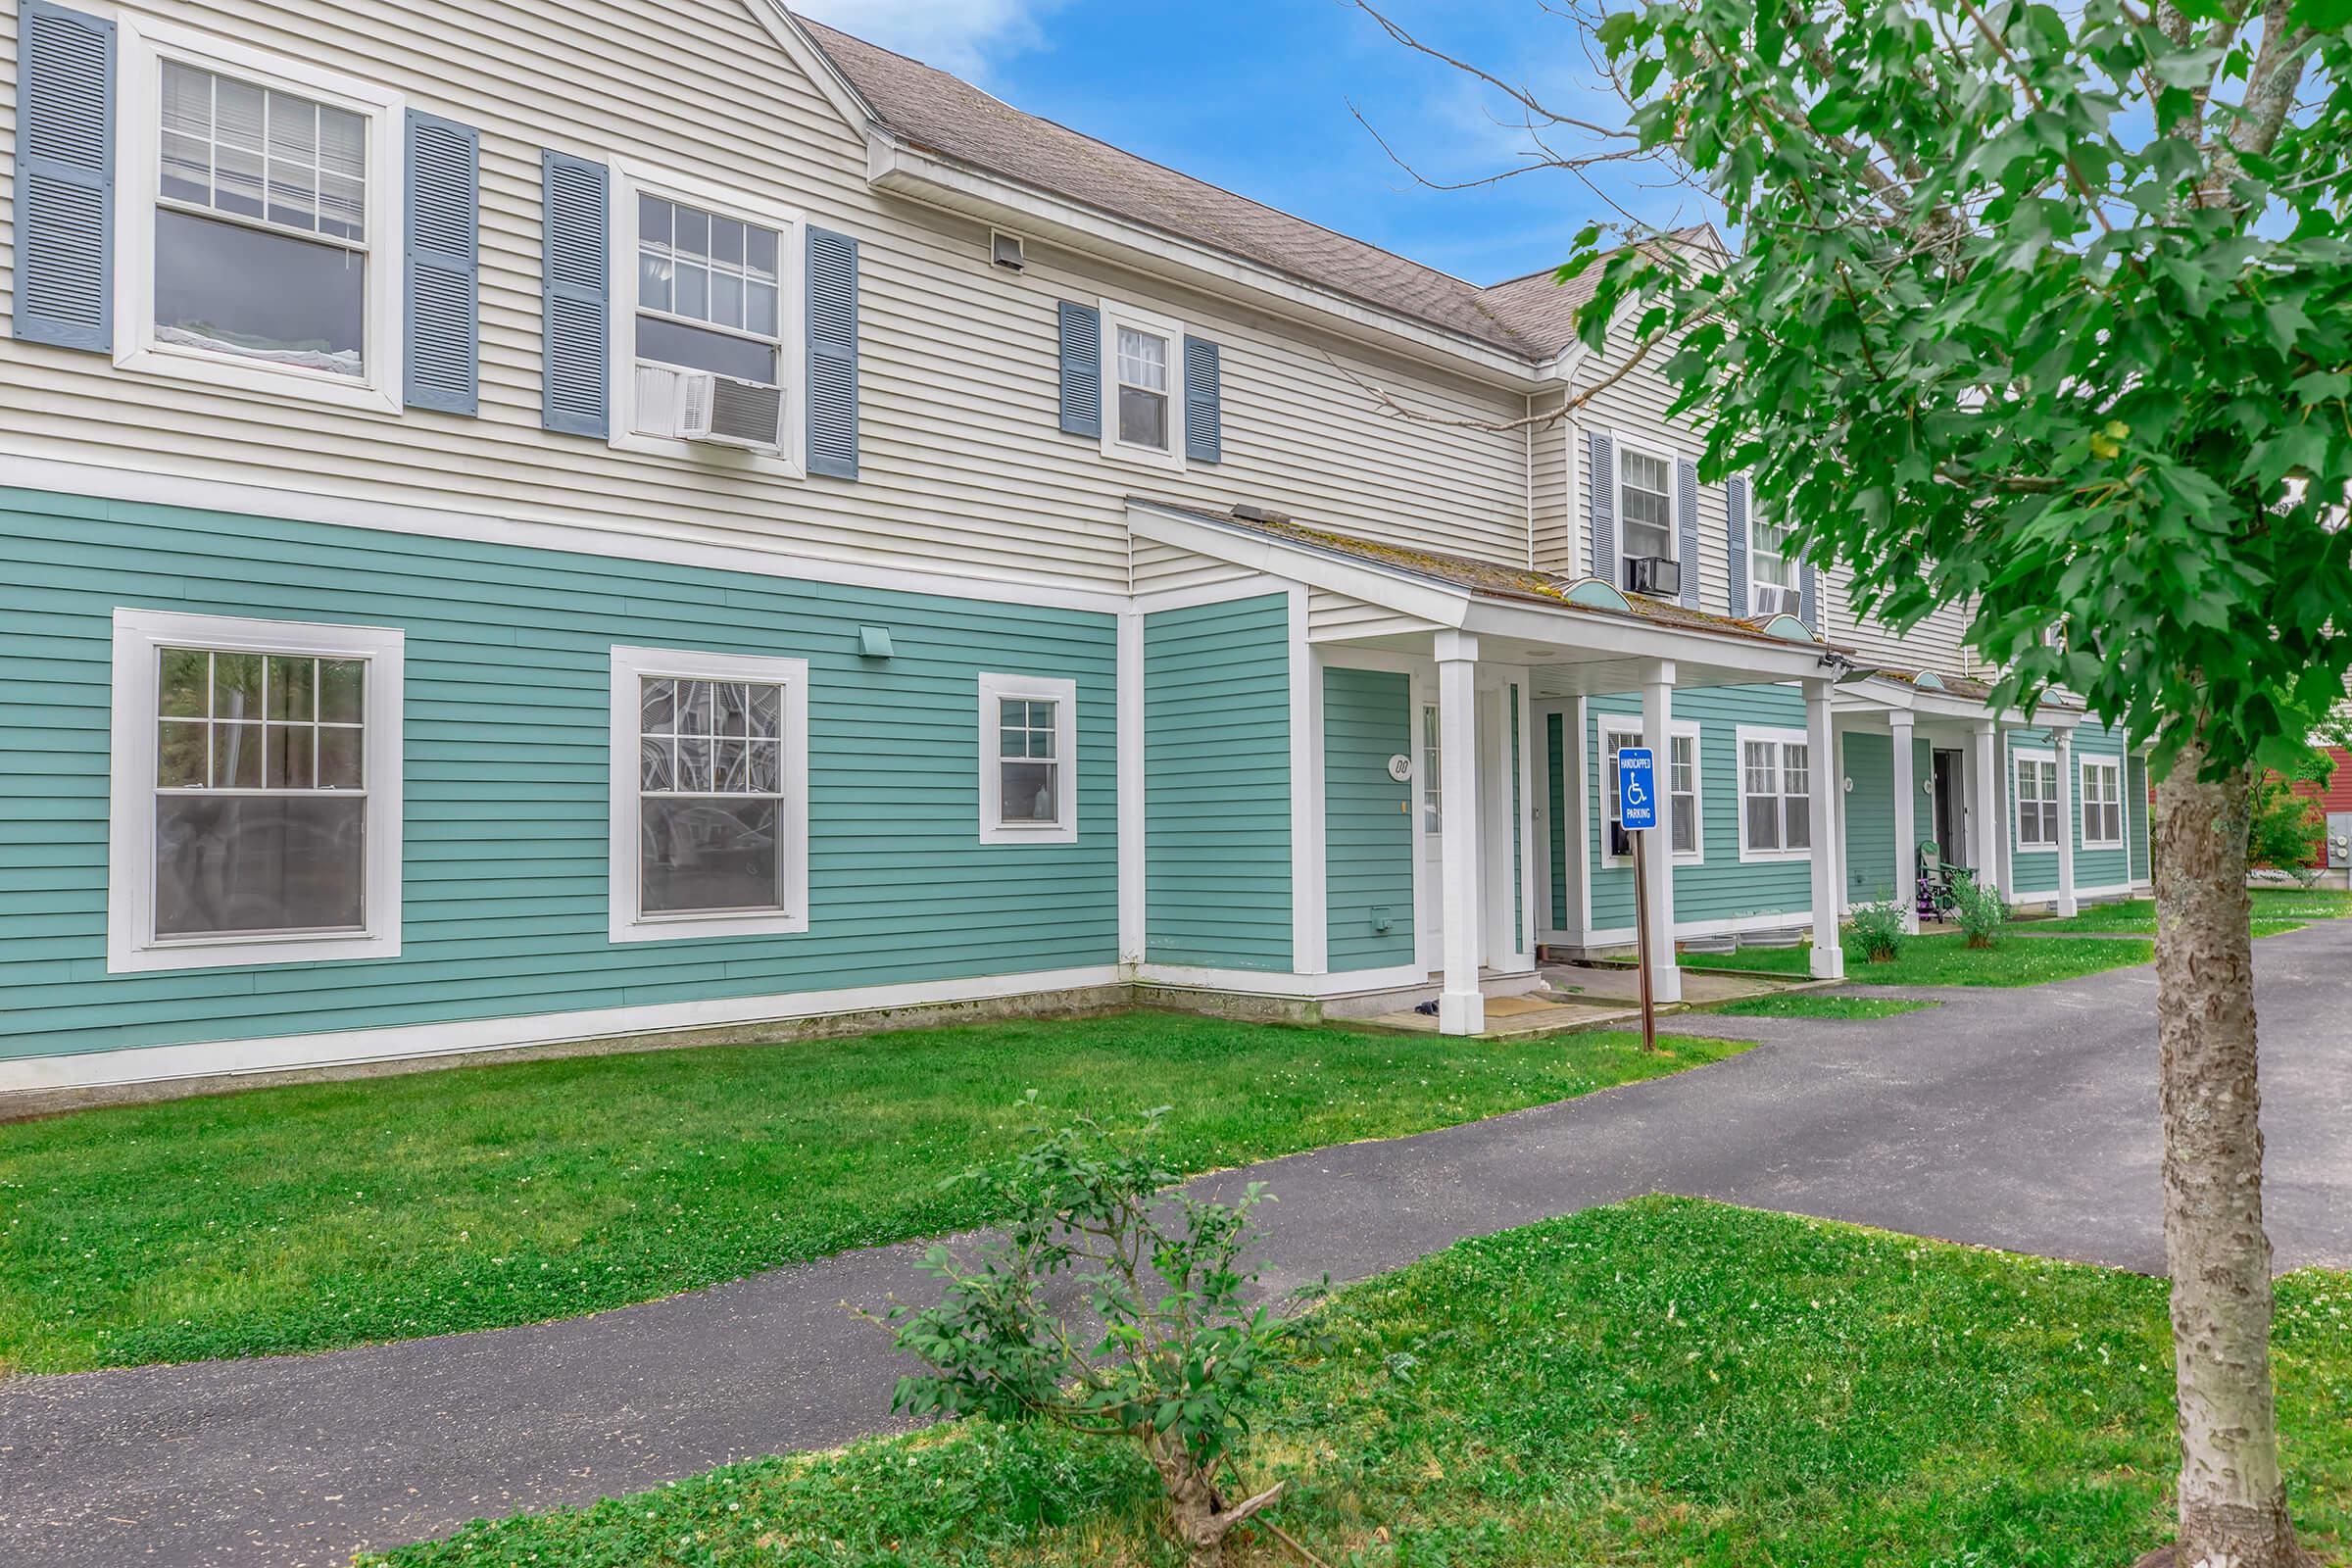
(2037, 775)
(710, 285)
(710, 794)
(1681, 775)
(1776, 795)
(1645, 504)
(256, 793)
(1028, 760)
(1143, 387)
(260, 212)
(2102, 802)
(1770, 569)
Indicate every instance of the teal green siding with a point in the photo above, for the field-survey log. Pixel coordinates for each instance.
(1555, 822)
(1868, 817)
(1217, 784)
(2135, 807)
(507, 732)
(1722, 888)
(1368, 832)
(2037, 870)
(1870, 812)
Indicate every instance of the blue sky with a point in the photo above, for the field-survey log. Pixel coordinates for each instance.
(1255, 97)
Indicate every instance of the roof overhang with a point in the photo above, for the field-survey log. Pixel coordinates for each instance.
(1878, 695)
(920, 175)
(1532, 632)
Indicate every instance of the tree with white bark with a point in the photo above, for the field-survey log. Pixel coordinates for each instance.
(2048, 314)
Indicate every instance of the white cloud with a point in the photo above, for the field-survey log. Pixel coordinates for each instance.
(956, 36)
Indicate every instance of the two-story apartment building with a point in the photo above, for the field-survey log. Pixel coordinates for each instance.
(524, 526)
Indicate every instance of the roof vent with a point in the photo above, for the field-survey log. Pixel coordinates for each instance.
(1250, 511)
(1005, 250)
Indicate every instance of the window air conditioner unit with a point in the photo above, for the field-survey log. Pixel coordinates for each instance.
(1774, 599)
(1654, 575)
(720, 410)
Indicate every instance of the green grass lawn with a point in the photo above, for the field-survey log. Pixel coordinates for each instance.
(1816, 1004)
(1665, 1382)
(2275, 909)
(1947, 959)
(330, 1214)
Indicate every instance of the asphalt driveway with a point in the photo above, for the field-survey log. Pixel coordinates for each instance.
(2025, 1120)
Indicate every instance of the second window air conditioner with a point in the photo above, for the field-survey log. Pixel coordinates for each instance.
(700, 405)
(1657, 575)
(1772, 599)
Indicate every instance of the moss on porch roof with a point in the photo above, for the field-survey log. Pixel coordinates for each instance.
(1487, 579)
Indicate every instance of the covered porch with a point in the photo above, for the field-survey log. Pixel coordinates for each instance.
(1497, 675)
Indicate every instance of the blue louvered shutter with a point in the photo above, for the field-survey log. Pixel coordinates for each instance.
(1600, 501)
(1734, 513)
(576, 296)
(1685, 528)
(832, 354)
(441, 270)
(1808, 599)
(65, 178)
(1203, 402)
(1081, 369)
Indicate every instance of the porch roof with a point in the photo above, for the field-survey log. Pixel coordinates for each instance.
(1533, 612)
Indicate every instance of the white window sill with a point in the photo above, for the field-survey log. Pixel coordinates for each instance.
(1135, 457)
(171, 362)
(1774, 856)
(773, 462)
(226, 953)
(679, 927)
(1053, 833)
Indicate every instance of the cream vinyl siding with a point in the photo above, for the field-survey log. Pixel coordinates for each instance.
(1332, 616)
(1938, 643)
(963, 467)
(1167, 569)
(1557, 508)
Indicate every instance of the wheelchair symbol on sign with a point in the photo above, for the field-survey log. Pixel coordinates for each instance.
(1635, 795)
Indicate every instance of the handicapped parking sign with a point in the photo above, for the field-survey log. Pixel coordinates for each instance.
(1636, 788)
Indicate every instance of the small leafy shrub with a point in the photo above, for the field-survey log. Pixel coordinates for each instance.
(1878, 930)
(1979, 908)
(1114, 1307)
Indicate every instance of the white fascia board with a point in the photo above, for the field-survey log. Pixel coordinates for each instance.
(1617, 636)
(805, 51)
(934, 181)
(1297, 562)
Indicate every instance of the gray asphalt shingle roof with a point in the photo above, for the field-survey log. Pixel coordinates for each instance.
(945, 115)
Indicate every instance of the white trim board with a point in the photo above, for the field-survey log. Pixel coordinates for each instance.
(92, 481)
(345, 1048)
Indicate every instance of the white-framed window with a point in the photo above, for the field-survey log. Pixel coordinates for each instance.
(710, 794)
(258, 214)
(1776, 794)
(1028, 760)
(711, 280)
(1143, 387)
(1679, 774)
(256, 792)
(2102, 787)
(1645, 505)
(2036, 796)
(1772, 567)
(1433, 773)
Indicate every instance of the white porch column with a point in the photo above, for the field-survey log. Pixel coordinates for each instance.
(1906, 812)
(1828, 828)
(1985, 804)
(1657, 712)
(2065, 742)
(1462, 1007)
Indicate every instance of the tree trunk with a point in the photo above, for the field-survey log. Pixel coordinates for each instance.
(2233, 1497)
(1198, 1515)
